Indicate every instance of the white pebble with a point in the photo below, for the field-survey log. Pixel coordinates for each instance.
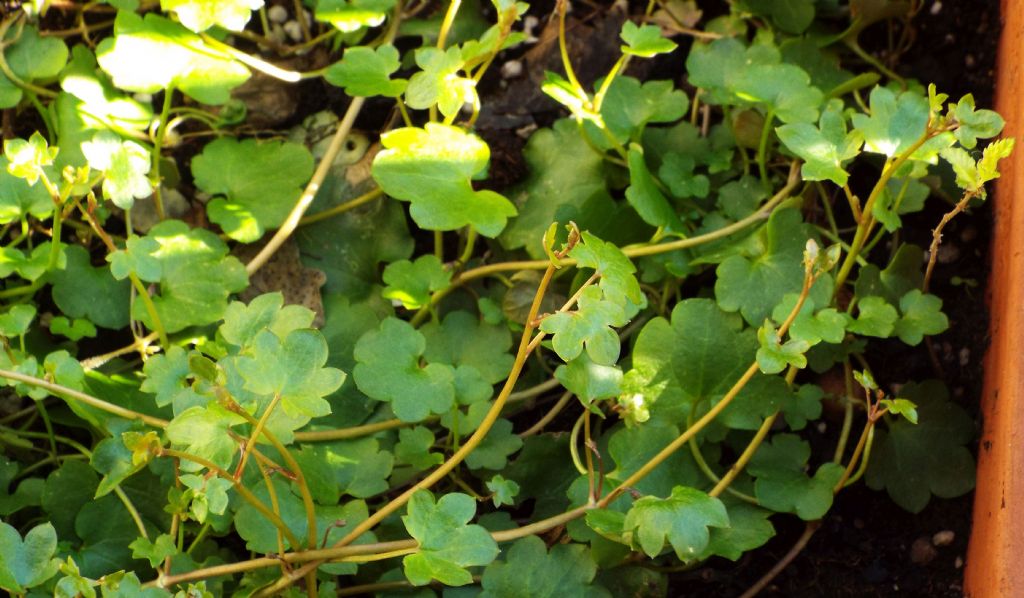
(529, 24)
(943, 538)
(936, 7)
(277, 14)
(293, 30)
(511, 69)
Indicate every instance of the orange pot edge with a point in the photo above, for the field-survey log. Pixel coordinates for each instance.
(994, 556)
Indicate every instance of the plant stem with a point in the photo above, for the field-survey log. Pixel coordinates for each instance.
(631, 251)
(244, 492)
(762, 146)
(712, 413)
(365, 198)
(933, 250)
(794, 551)
(302, 204)
(158, 144)
(549, 416)
(293, 466)
(867, 221)
(446, 25)
(746, 456)
(65, 392)
(257, 428)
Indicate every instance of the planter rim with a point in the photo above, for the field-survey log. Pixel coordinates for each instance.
(997, 535)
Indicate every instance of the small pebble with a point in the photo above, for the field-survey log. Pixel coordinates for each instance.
(922, 552)
(965, 358)
(936, 7)
(947, 254)
(524, 132)
(511, 69)
(293, 30)
(277, 14)
(822, 427)
(943, 538)
(969, 61)
(529, 24)
(959, 562)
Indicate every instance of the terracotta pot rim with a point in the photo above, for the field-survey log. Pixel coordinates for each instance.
(997, 534)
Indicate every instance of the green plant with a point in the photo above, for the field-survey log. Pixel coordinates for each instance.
(672, 265)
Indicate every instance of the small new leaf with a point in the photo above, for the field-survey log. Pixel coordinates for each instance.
(125, 167)
(365, 71)
(903, 407)
(617, 281)
(412, 283)
(682, 519)
(439, 83)
(921, 316)
(154, 552)
(875, 317)
(645, 41)
(26, 159)
(773, 356)
(590, 327)
(503, 492)
(824, 148)
(447, 545)
(974, 123)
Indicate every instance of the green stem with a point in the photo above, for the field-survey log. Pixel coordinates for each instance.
(446, 25)
(293, 465)
(631, 251)
(549, 416)
(244, 492)
(147, 301)
(158, 145)
(866, 220)
(302, 204)
(257, 429)
(65, 392)
(49, 429)
(864, 460)
(467, 251)
(712, 413)
(199, 537)
(762, 146)
(363, 199)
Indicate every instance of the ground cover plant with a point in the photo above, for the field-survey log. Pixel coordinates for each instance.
(254, 359)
